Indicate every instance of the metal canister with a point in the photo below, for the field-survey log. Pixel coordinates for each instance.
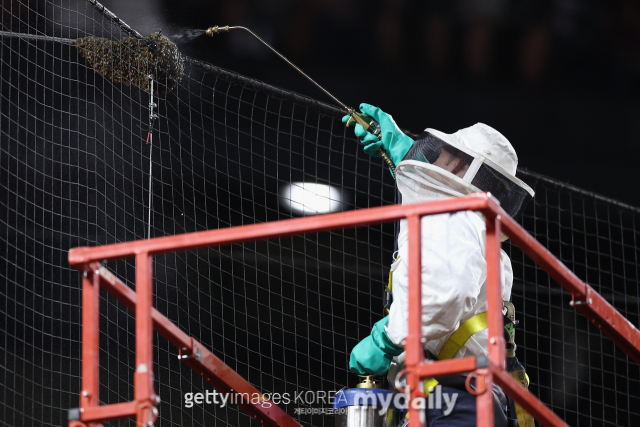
(365, 407)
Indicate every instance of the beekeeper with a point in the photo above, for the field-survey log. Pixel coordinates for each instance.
(437, 166)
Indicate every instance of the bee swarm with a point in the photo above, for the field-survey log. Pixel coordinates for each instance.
(130, 61)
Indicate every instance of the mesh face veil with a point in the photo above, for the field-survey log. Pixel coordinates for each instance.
(472, 160)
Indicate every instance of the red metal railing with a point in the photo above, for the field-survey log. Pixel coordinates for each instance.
(95, 276)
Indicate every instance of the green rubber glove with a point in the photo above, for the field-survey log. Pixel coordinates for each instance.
(373, 354)
(395, 142)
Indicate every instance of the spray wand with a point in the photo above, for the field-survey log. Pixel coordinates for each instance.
(365, 121)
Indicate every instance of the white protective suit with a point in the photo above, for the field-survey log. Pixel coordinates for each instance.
(453, 281)
(453, 245)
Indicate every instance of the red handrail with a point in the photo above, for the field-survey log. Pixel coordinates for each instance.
(87, 260)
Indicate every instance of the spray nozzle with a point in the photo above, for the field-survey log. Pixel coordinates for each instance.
(216, 30)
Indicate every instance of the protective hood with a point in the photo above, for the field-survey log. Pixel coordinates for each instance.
(472, 160)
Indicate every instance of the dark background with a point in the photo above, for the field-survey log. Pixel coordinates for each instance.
(285, 315)
(559, 78)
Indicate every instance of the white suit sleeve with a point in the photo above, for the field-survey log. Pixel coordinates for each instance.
(453, 273)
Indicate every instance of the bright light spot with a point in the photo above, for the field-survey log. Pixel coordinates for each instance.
(307, 198)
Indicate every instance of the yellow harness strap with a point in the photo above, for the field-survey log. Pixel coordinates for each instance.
(524, 418)
(390, 285)
(476, 324)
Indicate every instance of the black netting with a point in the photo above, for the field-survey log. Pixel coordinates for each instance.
(582, 376)
(74, 170)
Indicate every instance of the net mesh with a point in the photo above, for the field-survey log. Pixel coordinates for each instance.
(75, 169)
(584, 377)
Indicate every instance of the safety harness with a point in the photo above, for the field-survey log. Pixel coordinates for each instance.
(459, 338)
